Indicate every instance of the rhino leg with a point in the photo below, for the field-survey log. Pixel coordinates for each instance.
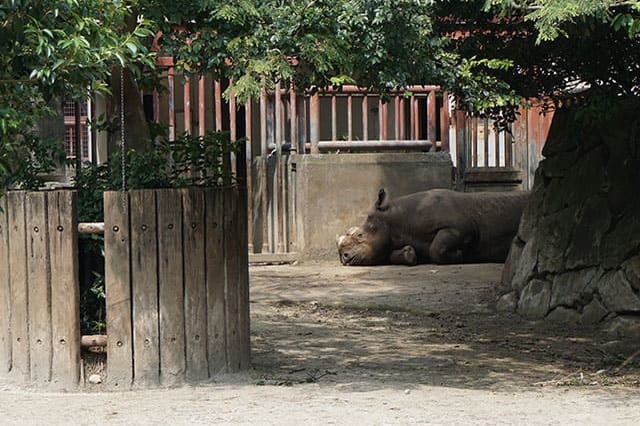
(404, 256)
(446, 246)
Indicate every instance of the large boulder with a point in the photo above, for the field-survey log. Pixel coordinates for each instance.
(577, 254)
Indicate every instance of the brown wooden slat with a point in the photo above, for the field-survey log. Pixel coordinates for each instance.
(171, 286)
(195, 284)
(244, 333)
(20, 364)
(144, 280)
(432, 117)
(65, 298)
(215, 276)
(232, 270)
(39, 287)
(5, 291)
(117, 242)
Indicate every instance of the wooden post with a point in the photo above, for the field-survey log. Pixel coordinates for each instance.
(314, 123)
(445, 122)
(5, 291)
(117, 247)
(187, 104)
(202, 116)
(195, 262)
(144, 279)
(215, 281)
(365, 117)
(431, 119)
(20, 363)
(65, 297)
(170, 286)
(172, 103)
(39, 308)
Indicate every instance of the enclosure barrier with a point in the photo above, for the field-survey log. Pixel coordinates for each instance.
(39, 301)
(176, 276)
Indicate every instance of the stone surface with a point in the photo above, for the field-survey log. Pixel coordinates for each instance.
(562, 315)
(581, 229)
(594, 312)
(617, 294)
(555, 232)
(95, 379)
(572, 288)
(534, 299)
(507, 303)
(526, 264)
(632, 271)
(592, 221)
(627, 327)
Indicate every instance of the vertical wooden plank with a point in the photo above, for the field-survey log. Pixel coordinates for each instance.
(171, 286)
(215, 278)
(249, 170)
(217, 94)
(65, 297)
(231, 260)
(187, 104)
(445, 122)
(172, 103)
(350, 117)
(117, 244)
(195, 267)
(314, 123)
(202, 118)
(242, 259)
(474, 142)
(431, 118)
(144, 283)
(402, 134)
(365, 117)
(334, 117)
(5, 291)
(461, 149)
(485, 134)
(20, 362)
(38, 274)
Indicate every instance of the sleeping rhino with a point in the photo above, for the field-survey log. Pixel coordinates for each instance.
(435, 226)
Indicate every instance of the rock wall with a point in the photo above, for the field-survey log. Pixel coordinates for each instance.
(577, 254)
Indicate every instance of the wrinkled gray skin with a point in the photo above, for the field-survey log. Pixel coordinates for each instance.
(436, 226)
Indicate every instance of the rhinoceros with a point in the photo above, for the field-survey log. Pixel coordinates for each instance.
(436, 226)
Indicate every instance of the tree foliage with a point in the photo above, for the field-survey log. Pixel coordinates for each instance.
(55, 48)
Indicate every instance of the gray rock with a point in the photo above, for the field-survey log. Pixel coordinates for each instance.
(592, 221)
(562, 315)
(617, 294)
(507, 303)
(525, 264)
(631, 270)
(572, 288)
(627, 327)
(509, 270)
(534, 299)
(555, 233)
(594, 312)
(623, 240)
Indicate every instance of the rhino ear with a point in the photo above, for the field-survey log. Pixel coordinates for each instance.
(382, 204)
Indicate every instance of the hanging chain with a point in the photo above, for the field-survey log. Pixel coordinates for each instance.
(122, 144)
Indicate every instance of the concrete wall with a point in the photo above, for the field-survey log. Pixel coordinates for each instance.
(335, 191)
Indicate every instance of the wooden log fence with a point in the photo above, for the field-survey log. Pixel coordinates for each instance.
(39, 300)
(176, 271)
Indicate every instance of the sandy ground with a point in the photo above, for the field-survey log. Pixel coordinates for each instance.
(381, 345)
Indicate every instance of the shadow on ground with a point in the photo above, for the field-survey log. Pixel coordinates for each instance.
(400, 326)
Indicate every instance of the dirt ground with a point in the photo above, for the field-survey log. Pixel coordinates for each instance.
(381, 345)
